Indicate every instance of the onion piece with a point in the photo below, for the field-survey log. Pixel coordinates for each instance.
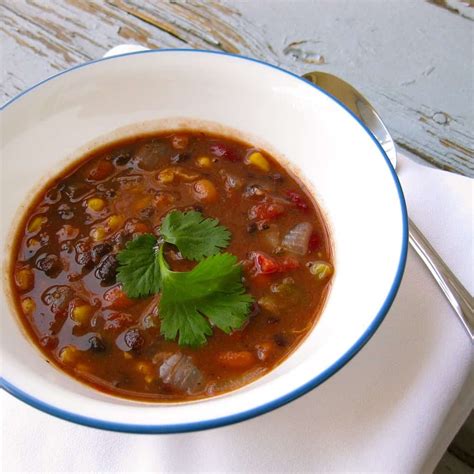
(227, 385)
(179, 371)
(271, 236)
(297, 239)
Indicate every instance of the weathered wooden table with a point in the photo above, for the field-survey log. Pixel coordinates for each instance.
(413, 59)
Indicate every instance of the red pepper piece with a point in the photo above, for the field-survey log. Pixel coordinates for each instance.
(297, 200)
(222, 151)
(266, 211)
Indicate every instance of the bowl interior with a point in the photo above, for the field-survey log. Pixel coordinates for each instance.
(332, 152)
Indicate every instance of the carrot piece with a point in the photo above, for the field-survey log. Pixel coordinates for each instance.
(236, 360)
(117, 299)
(103, 169)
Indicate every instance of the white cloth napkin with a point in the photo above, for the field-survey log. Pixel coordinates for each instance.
(394, 408)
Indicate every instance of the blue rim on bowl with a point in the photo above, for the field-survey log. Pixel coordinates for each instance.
(266, 407)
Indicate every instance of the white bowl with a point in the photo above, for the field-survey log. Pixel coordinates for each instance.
(334, 153)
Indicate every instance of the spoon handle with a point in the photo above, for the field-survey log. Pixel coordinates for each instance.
(458, 296)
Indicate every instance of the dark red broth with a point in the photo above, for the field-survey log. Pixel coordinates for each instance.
(64, 264)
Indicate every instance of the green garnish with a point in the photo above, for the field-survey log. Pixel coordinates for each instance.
(139, 270)
(213, 288)
(211, 293)
(195, 236)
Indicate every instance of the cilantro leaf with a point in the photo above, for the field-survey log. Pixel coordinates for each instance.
(195, 236)
(213, 289)
(139, 269)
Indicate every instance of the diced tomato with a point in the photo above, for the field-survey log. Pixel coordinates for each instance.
(118, 321)
(265, 350)
(136, 227)
(103, 169)
(117, 299)
(179, 142)
(262, 281)
(289, 263)
(236, 360)
(314, 242)
(266, 211)
(236, 336)
(266, 265)
(297, 200)
(222, 151)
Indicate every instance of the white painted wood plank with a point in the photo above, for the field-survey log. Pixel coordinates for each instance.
(412, 59)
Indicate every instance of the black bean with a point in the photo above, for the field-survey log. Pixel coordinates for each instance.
(252, 227)
(107, 270)
(77, 191)
(83, 255)
(180, 157)
(122, 381)
(280, 340)
(146, 213)
(122, 159)
(67, 246)
(65, 212)
(99, 250)
(254, 310)
(121, 238)
(253, 190)
(96, 344)
(133, 338)
(53, 195)
(57, 297)
(51, 265)
(263, 225)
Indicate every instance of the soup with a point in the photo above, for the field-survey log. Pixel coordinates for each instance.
(171, 267)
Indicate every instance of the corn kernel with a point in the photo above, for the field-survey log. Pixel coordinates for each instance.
(28, 306)
(96, 204)
(33, 243)
(142, 203)
(166, 176)
(185, 175)
(127, 355)
(98, 233)
(68, 354)
(205, 191)
(269, 303)
(80, 367)
(204, 162)
(321, 270)
(36, 223)
(258, 160)
(82, 313)
(149, 378)
(144, 368)
(115, 221)
(24, 279)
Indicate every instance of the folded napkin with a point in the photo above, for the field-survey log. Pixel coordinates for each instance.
(394, 407)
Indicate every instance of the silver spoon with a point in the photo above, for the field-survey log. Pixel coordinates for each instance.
(457, 295)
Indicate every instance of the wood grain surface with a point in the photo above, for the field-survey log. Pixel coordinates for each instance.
(412, 58)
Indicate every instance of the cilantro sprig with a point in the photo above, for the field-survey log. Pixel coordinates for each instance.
(195, 236)
(139, 270)
(211, 294)
(213, 288)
